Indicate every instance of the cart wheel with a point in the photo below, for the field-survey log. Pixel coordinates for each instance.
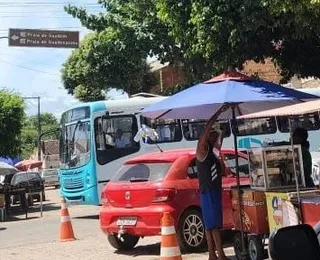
(255, 248)
(237, 246)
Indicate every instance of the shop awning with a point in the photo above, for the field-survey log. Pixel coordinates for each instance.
(292, 110)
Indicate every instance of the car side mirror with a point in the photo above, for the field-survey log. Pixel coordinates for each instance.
(293, 243)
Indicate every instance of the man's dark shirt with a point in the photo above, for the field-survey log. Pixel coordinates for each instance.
(209, 173)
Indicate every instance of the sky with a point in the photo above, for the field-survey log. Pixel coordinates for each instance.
(34, 71)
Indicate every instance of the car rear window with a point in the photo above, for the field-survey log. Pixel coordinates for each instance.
(141, 172)
(25, 177)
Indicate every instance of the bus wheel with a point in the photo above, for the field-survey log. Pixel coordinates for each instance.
(126, 242)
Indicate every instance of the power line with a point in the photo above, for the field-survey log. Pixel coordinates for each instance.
(30, 69)
(48, 3)
(36, 16)
(52, 28)
(37, 12)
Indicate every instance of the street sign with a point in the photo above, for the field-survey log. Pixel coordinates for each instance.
(43, 38)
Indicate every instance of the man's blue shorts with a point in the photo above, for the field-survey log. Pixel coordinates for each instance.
(211, 206)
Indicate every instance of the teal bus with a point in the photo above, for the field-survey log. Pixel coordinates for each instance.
(97, 137)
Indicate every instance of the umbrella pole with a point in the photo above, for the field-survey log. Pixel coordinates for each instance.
(244, 252)
(295, 170)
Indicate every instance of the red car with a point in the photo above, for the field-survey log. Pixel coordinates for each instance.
(134, 200)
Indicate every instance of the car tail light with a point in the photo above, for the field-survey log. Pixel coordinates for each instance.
(164, 195)
(104, 198)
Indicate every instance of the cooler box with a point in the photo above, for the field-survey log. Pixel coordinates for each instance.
(254, 211)
(282, 208)
(311, 210)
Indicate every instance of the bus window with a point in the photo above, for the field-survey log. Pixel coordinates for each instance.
(193, 128)
(167, 130)
(309, 122)
(256, 126)
(114, 137)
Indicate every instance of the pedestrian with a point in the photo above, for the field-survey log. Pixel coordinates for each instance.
(210, 171)
(300, 136)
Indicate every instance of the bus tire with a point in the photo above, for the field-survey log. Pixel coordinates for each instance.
(127, 243)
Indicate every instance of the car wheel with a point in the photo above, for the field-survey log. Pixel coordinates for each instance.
(126, 242)
(191, 232)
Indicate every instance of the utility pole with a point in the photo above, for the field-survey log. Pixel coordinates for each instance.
(39, 125)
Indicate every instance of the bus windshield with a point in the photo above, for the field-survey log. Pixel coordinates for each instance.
(75, 145)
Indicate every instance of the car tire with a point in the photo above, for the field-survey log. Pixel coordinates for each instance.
(128, 242)
(191, 231)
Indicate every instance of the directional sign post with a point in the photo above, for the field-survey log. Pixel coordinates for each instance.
(43, 38)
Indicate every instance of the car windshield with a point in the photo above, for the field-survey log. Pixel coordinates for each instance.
(75, 145)
(25, 177)
(142, 172)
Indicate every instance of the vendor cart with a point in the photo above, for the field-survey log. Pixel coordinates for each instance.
(274, 199)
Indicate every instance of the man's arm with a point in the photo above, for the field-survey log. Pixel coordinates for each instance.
(202, 146)
(212, 120)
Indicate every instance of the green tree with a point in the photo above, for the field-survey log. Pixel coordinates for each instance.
(210, 36)
(11, 121)
(106, 60)
(29, 135)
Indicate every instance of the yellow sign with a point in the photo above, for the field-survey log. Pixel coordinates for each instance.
(281, 212)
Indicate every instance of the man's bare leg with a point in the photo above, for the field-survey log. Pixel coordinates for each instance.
(216, 235)
(211, 246)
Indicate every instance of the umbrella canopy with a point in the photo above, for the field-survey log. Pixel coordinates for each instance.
(28, 164)
(246, 95)
(293, 110)
(242, 94)
(7, 169)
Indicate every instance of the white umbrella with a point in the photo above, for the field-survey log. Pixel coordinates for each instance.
(7, 169)
(292, 110)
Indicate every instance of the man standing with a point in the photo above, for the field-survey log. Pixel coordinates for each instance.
(210, 170)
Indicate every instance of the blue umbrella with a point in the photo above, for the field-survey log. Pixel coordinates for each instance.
(243, 95)
(9, 160)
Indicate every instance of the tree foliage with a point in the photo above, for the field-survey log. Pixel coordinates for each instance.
(29, 134)
(105, 60)
(11, 121)
(209, 36)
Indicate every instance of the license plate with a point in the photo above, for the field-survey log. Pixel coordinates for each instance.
(127, 221)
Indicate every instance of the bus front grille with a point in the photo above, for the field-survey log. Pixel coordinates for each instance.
(73, 183)
(72, 180)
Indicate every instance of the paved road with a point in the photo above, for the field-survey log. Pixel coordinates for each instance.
(37, 238)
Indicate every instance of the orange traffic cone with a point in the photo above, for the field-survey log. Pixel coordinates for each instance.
(66, 230)
(169, 243)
